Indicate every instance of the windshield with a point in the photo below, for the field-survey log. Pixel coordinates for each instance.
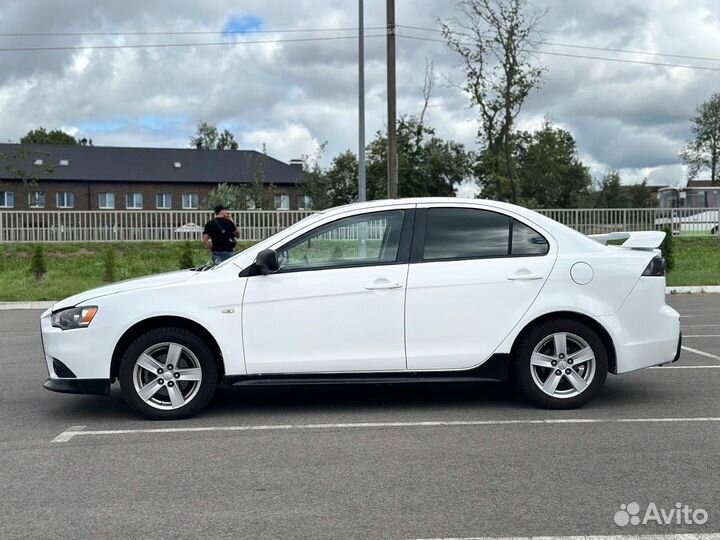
(304, 222)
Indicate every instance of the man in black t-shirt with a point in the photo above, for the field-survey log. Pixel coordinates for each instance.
(220, 235)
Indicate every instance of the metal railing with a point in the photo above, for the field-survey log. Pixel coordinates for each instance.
(137, 225)
(682, 221)
(254, 225)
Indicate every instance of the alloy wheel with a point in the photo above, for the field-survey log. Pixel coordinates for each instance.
(167, 376)
(562, 365)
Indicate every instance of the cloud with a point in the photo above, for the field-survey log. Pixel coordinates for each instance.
(294, 95)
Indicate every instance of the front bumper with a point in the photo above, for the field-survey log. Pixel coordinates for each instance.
(95, 387)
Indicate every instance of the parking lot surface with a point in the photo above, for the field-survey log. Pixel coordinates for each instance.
(385, 462)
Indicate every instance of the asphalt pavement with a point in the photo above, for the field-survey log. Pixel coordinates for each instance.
(378, 462)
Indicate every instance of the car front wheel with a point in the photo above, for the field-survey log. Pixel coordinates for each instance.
(168, 374)
(560, 364)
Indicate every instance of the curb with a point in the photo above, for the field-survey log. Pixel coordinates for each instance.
(700, 289)
(45, 304)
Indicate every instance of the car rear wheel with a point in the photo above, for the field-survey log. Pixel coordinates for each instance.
(168, 374)
(560, 364)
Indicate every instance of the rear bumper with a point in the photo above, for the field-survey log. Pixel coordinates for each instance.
(645, 331)
(679, 349)
(95, 387)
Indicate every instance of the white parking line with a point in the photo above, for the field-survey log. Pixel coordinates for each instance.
(701, 536)
(700, 353)
(68, 434)
(698, 325)
(701, 335)
(72, 432)
(686, 367)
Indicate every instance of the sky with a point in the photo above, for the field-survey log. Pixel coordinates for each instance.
(289, 97)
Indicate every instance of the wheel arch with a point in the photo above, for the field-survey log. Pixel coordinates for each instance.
(602, 333)
(139, 328)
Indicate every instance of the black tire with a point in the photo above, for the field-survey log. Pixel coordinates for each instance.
(528, 377)
(196, 354)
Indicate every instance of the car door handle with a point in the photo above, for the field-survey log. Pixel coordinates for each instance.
(524, 277)
(381, 284)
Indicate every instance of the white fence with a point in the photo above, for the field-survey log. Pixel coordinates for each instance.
(682, 221)
(129, 225)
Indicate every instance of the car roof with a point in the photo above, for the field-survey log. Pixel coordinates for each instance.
(569, 239)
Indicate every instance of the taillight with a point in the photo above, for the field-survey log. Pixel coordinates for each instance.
(656, 267)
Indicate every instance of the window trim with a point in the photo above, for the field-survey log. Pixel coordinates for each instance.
(64, 194)
(36, 206)
(190, 206)
(5, 197)
(403, 255)
(163, 194)
(417, 250)
(133, 193)
(287, 198)
(100, 206)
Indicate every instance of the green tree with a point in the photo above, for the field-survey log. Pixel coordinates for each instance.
(342, 178)
(42, 136)
(208, 137)
(38, 265)
(428, 166)
(640, 196)
(550, 174)
(702, 153)
(229, 195)
(109, 265)
(668, 249)
(611, 193)
(185, 257)
(316, 182)
(494, 39)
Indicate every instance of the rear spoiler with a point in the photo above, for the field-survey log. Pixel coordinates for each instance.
(645, 240)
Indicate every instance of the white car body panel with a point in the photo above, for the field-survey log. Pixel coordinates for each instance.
(325, 321)
(449, 315)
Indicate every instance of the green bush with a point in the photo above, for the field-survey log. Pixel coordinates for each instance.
(186, 256)
(38, 265)
(668, 249)
(109, 265)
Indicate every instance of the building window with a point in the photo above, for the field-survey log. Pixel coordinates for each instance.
(38, 162)
(134, 201)
(177, 165)
(250, 203)
(64, 162)
(36, 199)
(65, 199)
(305, 202)
(7, 199)
(282, 201)
(106, 201)
(190, 201)
(163, 201)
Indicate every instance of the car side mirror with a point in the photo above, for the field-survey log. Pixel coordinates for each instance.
(267, 261)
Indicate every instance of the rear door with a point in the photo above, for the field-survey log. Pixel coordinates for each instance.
(474, 273)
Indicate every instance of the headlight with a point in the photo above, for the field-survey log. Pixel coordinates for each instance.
(77, 317)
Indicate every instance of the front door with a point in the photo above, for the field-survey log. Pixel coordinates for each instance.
(337, 302)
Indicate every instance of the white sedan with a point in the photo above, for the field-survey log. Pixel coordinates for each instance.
(415, 290)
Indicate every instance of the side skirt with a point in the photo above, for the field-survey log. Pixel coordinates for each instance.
(495, 369)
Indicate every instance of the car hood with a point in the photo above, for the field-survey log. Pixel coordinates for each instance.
(124, 286)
